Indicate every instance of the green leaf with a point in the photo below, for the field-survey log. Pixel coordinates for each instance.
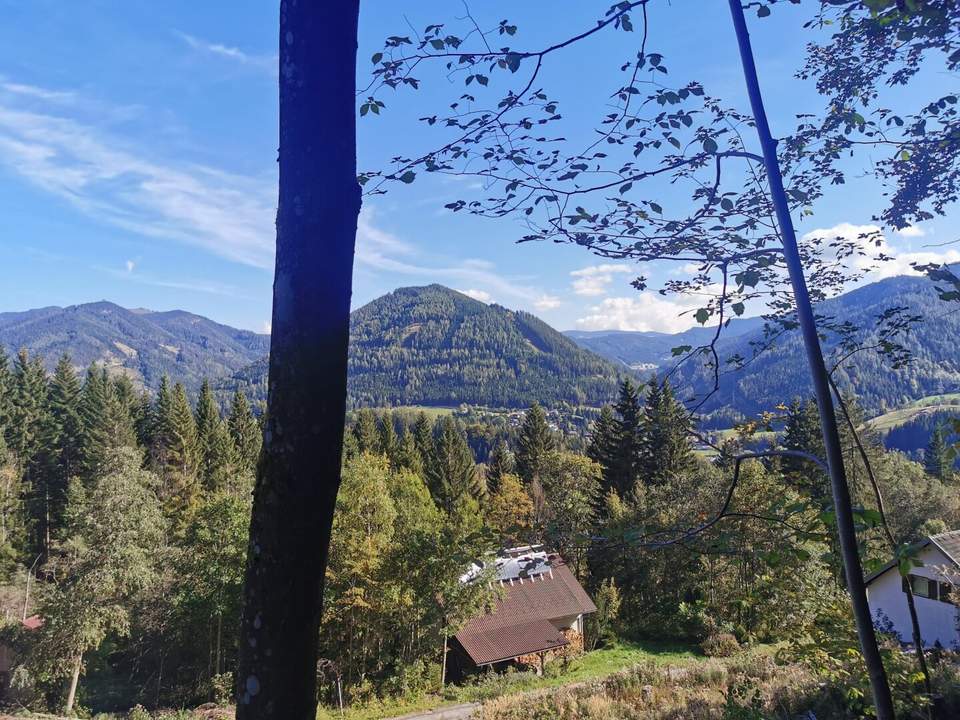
(763, 11)
(737, 308)
(625, 187)
(710, 145)
(408, 177)
(377, 57)
(702, 316)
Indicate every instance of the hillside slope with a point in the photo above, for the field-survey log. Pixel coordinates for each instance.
(434, 346)
(144, 344)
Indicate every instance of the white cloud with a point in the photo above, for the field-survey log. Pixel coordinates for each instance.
(874, 245)
(646, 311)
(547, 302)
(264, 62)
(481, 295)
(595, 279)
(38, 93)
(208, 287)
(130, 265)
(267, 327)
(228, 215)
(912, 232)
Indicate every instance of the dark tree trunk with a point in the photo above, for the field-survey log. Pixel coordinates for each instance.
(299, 470)
(883, 702)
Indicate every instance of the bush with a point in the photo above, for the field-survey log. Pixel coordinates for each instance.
(720, 645)
(138, 712)
(221, 688)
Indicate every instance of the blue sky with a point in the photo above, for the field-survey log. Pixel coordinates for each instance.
(138, 157)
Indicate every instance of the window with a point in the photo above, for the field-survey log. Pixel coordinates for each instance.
(927, 588)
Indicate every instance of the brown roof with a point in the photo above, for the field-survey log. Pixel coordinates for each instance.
(520, 622)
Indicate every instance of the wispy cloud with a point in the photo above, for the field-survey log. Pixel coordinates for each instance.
(228, 215)
(643, 312)
(261, 62)
(481, 295)
(38, 93)
(207, 287)
(596, 279)
(912, 232)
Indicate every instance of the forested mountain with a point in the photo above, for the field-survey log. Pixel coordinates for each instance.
(144, 344)
(434, 346)
(780, 373)
(644, 350)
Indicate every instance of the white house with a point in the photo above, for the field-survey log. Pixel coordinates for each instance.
(935, 589)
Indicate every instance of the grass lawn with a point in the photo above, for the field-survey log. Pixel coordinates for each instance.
(590, 666)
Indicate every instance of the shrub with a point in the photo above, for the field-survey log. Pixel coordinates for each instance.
(221, 688)
(720, 645)
(138, 712)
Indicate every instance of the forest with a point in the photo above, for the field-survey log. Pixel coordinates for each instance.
(129, 512)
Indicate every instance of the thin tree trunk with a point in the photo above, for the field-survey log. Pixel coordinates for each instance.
(299, 469)
(74, 682)
(856, 587)
(443, 660)
(217, 664)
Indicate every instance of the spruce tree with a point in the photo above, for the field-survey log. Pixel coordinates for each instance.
(666, 452)
(177, 438)
(936, 458)
(451, 474)
(366, 432)
(408, 456)
(26, 412)
(245, 432)
(626, 444)
(604, 444)
(802, 432)
(6, 394)
(533, 443)
(388, 439)
(216, 454)
(423, 439)
(500, 463)
(60, 455)
(107, 424)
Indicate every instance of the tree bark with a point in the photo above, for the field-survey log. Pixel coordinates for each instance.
(299, 469)
(846, 532)
(74, 682)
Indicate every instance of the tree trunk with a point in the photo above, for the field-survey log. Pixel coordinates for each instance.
(74, 682)
(299, 469)
(218, 663)
(856, 587)
(443, 661)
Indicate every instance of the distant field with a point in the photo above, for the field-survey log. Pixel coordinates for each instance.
(925, 405)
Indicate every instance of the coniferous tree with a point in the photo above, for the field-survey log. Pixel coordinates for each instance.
(936, 458)
(60, 454)
(665, 436)
(216, 454)
(408, 456)
(501, 462)
(26, 413)
(423, 439)
(388, 439)
(176, 456)
(603, 445)
(6, 394)
(626, 445)
(107, 424)
(451, 474)
(533, 443)
(366, 432)
(245, 432)
(802, 432)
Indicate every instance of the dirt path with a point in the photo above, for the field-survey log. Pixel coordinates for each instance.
(451, 712)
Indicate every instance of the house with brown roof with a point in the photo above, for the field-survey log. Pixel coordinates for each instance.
(541, 610)
(936, 593)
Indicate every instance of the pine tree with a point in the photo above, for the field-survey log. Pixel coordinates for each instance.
(666, 452)
(534, 442)
(245, 432)
(366, 432)
(6, 394)
(175, 456)
(802, 432)
(501, 462)
(451, 473)
(936, 458)
(626, 443)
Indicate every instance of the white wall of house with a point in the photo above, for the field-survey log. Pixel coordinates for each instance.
(888, 602)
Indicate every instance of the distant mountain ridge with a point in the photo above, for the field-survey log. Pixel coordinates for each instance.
(142, 343)
(435, 346)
